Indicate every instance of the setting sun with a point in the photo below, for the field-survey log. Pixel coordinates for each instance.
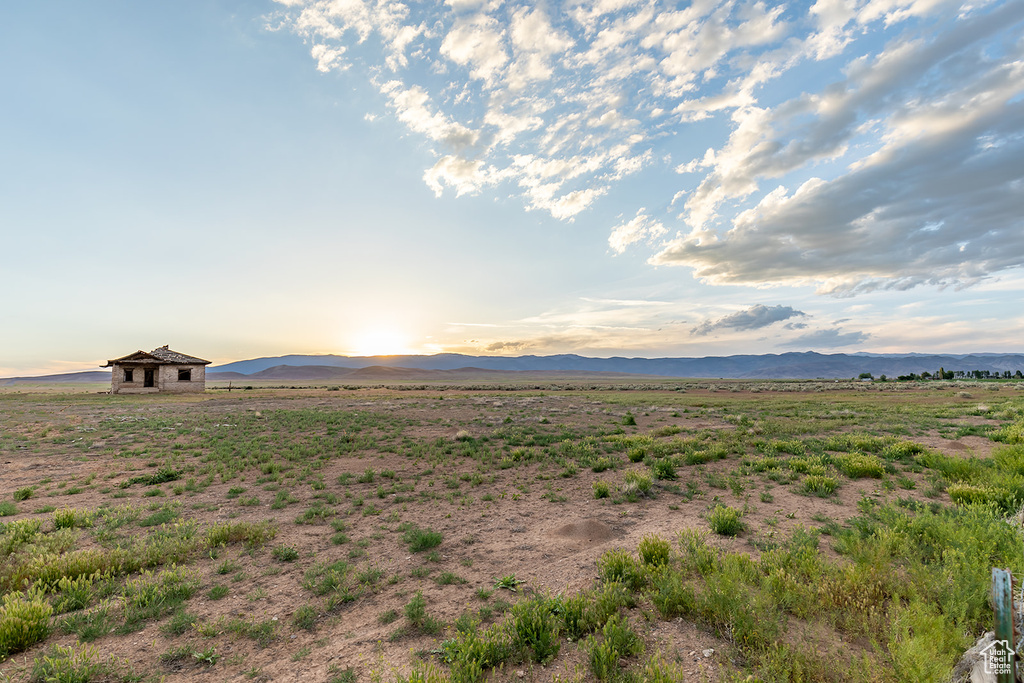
(380, 342)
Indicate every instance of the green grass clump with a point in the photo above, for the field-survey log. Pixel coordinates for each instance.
(416, 612)
(285, 553)
(953, 468)
(218, 592)
(810, 465)
(902, 450)
(766, 463)
(253, 534)
(617, 641)
(819, 485)
(71, 594)
(161, 476)
(323, 577)
(654, 550)
(969, 494)
(859, 465)
(8, 509)
(1011, 433)
(449, 579)
(619, 566)
(70, 518)
(637, 483)
(601, 489)
(726, 521)
(162, 516)
(70, 664)
(23, 494)
(1009, 459)
(419, 539)
(535, 628)
(24, 621)
(663, 469)
(304, 618)
(152, 595)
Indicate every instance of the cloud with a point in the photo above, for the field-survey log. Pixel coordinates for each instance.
(753, 318)
(935, 201)
(900, 170)
(506, 346)
(586, 87)
(477, 42)
(827, 339)
(640, 227)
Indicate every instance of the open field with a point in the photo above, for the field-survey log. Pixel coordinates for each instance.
(573, 531)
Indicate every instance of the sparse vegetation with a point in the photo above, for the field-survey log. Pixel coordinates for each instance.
(127, 536)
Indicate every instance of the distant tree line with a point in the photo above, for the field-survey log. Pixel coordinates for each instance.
(948, 374)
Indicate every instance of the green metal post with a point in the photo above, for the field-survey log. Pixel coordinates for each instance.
(1002, 600)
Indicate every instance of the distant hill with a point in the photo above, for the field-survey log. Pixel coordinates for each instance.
(383, 373)
(455, 367)
(87, 376)
(796, 365)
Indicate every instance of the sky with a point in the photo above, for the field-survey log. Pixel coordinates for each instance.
(607, 178)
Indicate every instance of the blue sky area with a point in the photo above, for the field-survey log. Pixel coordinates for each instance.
(614, 177)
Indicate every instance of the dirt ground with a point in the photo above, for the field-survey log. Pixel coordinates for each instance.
(527, 521)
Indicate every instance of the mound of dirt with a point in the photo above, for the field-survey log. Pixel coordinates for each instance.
(587, 531)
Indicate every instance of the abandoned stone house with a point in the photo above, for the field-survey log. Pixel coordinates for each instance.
(159, 371)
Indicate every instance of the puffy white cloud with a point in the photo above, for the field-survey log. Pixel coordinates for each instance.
(477, 42)
(641, 227)
(327, 58)
(413, 106)
(465, 176)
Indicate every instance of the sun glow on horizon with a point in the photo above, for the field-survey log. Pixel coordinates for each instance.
(380, 341)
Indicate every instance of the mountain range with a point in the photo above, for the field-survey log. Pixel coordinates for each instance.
(796, 365)
(454, 367)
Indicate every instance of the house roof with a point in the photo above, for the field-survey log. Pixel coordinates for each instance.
(158, 356)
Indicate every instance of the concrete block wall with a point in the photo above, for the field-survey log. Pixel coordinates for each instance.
(165, 380)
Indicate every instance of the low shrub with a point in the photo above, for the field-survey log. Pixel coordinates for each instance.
(536, 628)
(902, 450)
(726, 521)
(285, 553)
(663, 469)
(859, 465)
(253, 534)
(304, 617)
(71, 664)
(24, 621)
(637, 483)
(819, 485)
(654, 550)
(969, 494)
